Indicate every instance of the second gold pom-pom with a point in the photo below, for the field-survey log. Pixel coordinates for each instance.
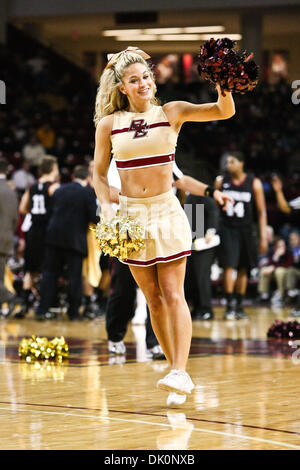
(120, 237)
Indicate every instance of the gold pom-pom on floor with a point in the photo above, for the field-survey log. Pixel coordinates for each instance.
(39, 348)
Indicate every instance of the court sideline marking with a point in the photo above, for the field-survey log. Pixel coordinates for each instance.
(109, 418)
(153, 415)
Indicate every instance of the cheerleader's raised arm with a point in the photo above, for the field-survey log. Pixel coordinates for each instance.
(182, 111)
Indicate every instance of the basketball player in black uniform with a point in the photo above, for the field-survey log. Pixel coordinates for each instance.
(36, 204)
(238, 250)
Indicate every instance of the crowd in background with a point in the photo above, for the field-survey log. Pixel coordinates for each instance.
(49, 111)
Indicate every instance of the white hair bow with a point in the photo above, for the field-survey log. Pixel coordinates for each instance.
(113, 58)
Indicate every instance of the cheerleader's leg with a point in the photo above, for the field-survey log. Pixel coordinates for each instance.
(147, 279)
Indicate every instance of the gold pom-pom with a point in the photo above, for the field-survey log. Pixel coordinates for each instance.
(39, 348)
(120, 237)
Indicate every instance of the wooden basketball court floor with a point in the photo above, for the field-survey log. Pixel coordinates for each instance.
(246, 395)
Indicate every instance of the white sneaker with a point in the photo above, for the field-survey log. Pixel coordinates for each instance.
(156, 352)
(292, 293)
(276, 296)
(177, 381)
(117, 348)
(175, 399)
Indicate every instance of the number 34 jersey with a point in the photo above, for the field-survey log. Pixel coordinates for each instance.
(239, 213)
(40, 203)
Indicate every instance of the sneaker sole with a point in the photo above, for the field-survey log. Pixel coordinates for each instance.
(169, 388)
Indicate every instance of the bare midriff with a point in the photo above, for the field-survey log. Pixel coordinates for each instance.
(146, 182)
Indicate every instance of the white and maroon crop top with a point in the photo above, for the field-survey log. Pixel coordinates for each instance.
(140, 140)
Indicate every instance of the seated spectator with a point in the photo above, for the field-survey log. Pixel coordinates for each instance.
(284, 205)
(19, 135)
(262, 259)
(60, 150)
(33, 152)
(22, 178)
(36, 64)
(46, 136)
(275, 267)
(293, 273)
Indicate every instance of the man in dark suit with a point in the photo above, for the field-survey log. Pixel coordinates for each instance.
(198, 275)
(74, 207)
(8, 223)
